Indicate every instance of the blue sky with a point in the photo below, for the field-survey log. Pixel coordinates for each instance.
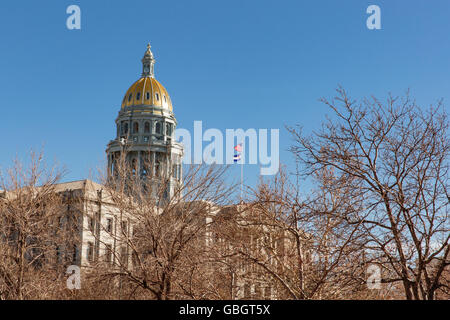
(231, 64)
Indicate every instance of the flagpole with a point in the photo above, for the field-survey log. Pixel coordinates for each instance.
(239, 156)
(242, 168)
(242, 176)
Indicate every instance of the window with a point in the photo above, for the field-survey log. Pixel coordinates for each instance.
(138, 96)
(158, 128)
(147, 127)
(124, 227)
(164, 98)
(157, 96)
(145, 139)
(129, 97)
(108, 253)
(135, 127)
(109, 225)
(91, 223)
(134, 259)
(169, 129)
(157, 168)
(58, 254)
(123, 257)
(135, 139)
(148, 95)
(75, 253)
(90, 252)
(133, 166)
(125, 128)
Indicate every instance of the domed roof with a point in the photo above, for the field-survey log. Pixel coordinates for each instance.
(147, 90)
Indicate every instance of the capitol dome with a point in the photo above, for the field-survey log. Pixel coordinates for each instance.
(147, 91)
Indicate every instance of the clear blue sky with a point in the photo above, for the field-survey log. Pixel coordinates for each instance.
(232, 64)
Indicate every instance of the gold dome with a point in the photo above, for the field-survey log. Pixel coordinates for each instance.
(147, 91)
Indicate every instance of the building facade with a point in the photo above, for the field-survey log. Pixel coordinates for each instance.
(99, 227)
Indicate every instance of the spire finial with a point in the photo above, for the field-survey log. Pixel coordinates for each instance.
(148, 63)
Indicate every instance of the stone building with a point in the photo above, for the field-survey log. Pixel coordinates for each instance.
(145, 142)
(145, 137)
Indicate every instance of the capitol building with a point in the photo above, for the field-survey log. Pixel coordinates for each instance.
(146, 128)
(146, 146)
(144, 176)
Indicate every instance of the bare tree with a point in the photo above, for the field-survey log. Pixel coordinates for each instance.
(392, 160)
(164, 249)
(30, 230)
(296, 243)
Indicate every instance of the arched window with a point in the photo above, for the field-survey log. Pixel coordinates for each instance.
(138, 96)
(158, 128)
(129, 97)
(164, 98)
(169, 129)
(125, 128)
(135, 127)
(157, 96)
(147, 127)
(148, 95)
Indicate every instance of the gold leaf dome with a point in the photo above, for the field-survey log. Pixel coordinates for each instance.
(147, 91)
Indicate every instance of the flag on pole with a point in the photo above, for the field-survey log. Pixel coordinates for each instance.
(236, 158)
